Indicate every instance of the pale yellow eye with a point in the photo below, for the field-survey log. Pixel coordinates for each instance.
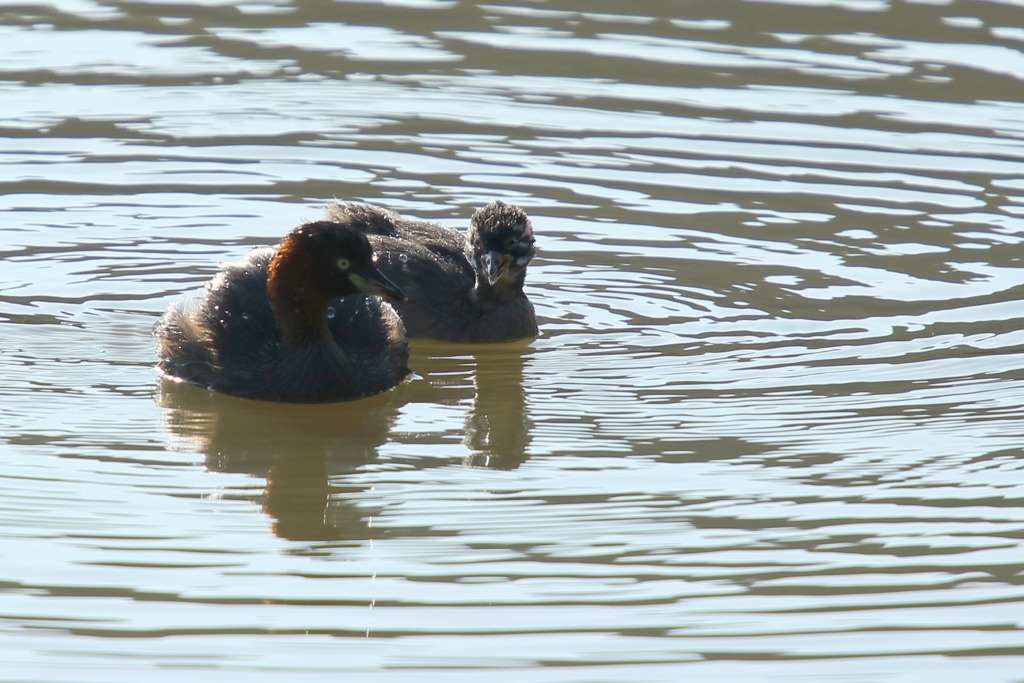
(343, 264)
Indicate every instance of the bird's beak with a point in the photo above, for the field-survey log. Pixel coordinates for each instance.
(496, 265)
(372, 281)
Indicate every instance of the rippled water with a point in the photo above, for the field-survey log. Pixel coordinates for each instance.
(771, 430)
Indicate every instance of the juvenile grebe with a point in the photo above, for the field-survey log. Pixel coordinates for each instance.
(466, 288)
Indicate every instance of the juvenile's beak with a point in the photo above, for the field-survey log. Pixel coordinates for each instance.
(372, 281)
(496, 265)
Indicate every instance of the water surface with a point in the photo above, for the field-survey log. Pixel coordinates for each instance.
(771, 429)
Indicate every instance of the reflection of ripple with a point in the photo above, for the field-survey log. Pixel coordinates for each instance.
(355, 42)
(88, 53)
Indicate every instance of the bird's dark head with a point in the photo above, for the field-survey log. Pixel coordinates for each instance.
(329, 259)
(502, 244)
(317, 262)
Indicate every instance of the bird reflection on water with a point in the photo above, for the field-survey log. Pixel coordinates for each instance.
(497, 430)
(306, 452)
(298, 449)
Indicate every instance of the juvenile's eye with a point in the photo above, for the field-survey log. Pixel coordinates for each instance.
(343, 264)
(512, 241)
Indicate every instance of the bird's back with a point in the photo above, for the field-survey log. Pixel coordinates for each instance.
(222, 336)
(424, 238)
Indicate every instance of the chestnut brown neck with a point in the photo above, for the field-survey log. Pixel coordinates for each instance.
(296, 294)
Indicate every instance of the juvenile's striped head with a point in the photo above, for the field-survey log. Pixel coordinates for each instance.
(502, 243)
